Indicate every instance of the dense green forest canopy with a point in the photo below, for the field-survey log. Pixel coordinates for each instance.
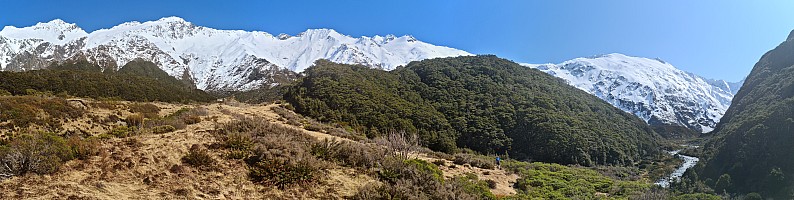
(136, 81)
(751, 149)
(483, 103)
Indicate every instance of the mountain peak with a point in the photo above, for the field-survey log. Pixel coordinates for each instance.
(321, 32)
(55, 31)
(171, 19)
(56, 24)
(652, 89)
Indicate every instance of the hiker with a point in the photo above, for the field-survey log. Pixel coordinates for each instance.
(498, 162)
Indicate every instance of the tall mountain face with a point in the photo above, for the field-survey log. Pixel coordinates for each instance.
(215, 60)
(752, 144)
(652, 89)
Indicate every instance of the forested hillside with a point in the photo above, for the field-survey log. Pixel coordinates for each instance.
(751, 151)
(484, 103)
(136, 81)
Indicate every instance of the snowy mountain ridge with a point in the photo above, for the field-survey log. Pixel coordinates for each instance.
(652, 89)
(220, 60)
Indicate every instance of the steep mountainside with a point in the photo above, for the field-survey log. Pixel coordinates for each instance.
(216, 60)
(652, 89)
(751, 151)
(483, 103)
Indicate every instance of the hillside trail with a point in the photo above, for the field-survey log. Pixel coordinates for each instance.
(504, 180)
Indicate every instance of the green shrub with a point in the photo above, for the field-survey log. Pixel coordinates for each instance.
(200, 158)
(697, 196)
(40, 153)
(281, 173)
(440, 162)
(238, 141)
(24, 111)
(554, 181)
(426, 167)
(326, 149)
(275, 155)
(148, 110)
(405, 181)
(121, 131)
(83, 148)
(4, 92)
(238, 154)
(491, 183)
(134, 120)
(190, 119)
(163, 129)
(474, 160)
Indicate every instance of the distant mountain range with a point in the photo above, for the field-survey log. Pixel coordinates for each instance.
(235, 60)
(652, 89)
(214, 60)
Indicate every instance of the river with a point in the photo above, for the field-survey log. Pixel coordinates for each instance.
(689, 162)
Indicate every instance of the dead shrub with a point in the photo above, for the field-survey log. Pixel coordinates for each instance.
(402, 144)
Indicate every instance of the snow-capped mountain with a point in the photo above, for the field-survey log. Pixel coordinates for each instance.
(652, 89)
(216, 60)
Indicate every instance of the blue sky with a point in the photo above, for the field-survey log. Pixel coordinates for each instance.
(715, 39)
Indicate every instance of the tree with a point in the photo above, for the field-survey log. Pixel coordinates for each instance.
(723, 183)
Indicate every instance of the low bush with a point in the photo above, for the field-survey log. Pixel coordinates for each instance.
(176, 123)
(134, 120)
(440, 162)
(491, 183)
(326, 149)
(83, 148)
(200, 158)
(554, 181)
(122, 131)
(474, 160)
(40, 153)
(282, 173)
(275, 155)
(24, 111)
(163, 129)
(148, 110)
(409, 182)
